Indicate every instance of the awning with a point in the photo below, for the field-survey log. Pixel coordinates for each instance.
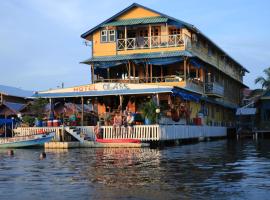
(5, 121)
(136, 21)
(164, 61)
(109, 64)
(185, 95)
(195, 62)
(246, 111)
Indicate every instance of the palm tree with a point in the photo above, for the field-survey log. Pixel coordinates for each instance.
(265, 82)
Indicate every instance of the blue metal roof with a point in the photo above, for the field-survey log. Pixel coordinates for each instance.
(16, 92)
(103, 93)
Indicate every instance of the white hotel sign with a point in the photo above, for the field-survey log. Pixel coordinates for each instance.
(104, 87)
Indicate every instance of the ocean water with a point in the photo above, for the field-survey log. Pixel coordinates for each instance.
(221, 169)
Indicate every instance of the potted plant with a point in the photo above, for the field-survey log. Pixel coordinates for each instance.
(28, 120)
(148, 111)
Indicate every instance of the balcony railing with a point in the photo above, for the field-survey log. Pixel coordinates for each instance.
(214, 88)
(158, 79)
(150, 42)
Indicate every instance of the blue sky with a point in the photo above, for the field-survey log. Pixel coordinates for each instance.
(40, 44)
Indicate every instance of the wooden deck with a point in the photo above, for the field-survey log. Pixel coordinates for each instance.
(141, 132)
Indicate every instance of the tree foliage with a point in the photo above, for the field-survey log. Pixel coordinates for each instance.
(264, 81)
(37, 107)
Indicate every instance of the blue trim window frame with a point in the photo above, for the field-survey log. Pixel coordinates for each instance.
(107, 36)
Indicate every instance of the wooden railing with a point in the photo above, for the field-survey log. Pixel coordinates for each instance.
(157, 79)
(150, 42)
(141, 132)
(214, 88)
(173, 132)
(204, 54)
(86, 131)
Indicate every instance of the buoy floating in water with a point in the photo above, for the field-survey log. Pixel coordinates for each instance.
(42, 156)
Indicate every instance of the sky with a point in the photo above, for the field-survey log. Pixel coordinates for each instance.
(40, 44)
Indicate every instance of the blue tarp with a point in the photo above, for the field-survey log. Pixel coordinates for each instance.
(153, 61)
(164, 61)
(185, 95)
(196, 63)
(109, 64)
(5, 121)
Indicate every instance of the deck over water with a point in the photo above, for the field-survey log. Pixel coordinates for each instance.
(141, 132)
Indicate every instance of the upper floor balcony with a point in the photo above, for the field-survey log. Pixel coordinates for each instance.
(163, 41)
(214, 89)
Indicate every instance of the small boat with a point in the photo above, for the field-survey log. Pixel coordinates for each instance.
(26, 141)
(118, 140)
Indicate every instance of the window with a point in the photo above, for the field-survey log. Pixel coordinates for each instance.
(155, 31)
(198, 44)
(111, 35)
(210, 53)
(143, 33)
(104, 36)
(175, 31)
(108, 35)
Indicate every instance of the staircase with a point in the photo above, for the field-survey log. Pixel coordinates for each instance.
(75, 133)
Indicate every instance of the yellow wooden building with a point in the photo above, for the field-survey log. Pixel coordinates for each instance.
(141, 46)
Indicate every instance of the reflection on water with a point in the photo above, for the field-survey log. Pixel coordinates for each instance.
(207, 170)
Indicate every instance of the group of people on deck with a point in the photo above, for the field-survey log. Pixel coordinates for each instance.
(125, 118)
(122, 118)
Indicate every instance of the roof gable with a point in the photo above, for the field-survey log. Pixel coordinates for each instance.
(137, 11)
(132, 11)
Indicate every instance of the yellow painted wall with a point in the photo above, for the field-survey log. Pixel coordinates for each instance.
(102, 49)
(195, 108)
(137, 13)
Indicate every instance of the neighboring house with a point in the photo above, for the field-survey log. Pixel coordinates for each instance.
(12, 100)
(255, 114)
(140, 53)
(263, 109)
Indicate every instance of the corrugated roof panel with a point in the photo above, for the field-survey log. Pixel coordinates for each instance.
(146, 20)
(138, 56)
(13, 91)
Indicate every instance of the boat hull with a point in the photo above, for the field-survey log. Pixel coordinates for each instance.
(118, 140)
(35, 141)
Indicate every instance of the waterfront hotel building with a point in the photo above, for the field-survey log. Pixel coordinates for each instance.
(140, 54)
